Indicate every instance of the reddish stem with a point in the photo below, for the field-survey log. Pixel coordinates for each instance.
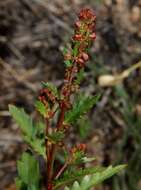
(51, 158)
(61, 170)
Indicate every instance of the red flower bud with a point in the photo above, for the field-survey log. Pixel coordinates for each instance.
(77, 37)
(78, 24)
(80, 61)
(85, 56)
(82, 147)
(87, 14)
(93, 36)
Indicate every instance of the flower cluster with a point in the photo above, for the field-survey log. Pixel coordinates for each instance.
(77, 57)
(80, 147)
(84, 34)
(49, 100)
(77, 153)
(47, 95)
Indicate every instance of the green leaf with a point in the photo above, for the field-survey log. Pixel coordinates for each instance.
(41, 108)
(56, 136)
(83, 127)
(68, 63)
(40, 128)
(82, 105)
(80, 76)
(24, 121)
(78, 158)
(75, 49)
(90, 181)
(65, 50)
(69, 177)
(28, 171)
(19, 183)
(29, 129)
(51, 87)
(38, 145)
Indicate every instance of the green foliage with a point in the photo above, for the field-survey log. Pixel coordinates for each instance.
(41, 108)
(28, 171)
(90, 181)
(65, 50)
(82, 105)
(56, 136)
(40, 128)
(80, 76)
(24, 121)
(83, 127)
(68, 63)
(78, 158)
(70, 176)
(98, 175)
(37, 145)
(75, 49)
(131, 177)
(28, 128)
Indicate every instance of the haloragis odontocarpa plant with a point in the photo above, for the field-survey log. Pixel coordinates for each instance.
(60, 110)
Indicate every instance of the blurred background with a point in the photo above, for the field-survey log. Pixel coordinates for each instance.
(33, 34)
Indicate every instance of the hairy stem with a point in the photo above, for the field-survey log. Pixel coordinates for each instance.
(61, 170)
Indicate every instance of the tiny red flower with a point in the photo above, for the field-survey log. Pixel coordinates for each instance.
(77, 37)
(93, 36)
(81, 147)
(85, 56)
(78, 24)
(86, 14)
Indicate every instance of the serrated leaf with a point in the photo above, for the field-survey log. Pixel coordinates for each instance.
(51, 87)
(41, 108)
(24, 121)
(40, 127)
(56, 136)
(82, 105)
(69, 177)
(28, 128)
(28, 171)
(83, 126)
(37, 145)
(90, 181)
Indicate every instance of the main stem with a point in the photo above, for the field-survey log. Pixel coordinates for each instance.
(52, 151)
(51, 156)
